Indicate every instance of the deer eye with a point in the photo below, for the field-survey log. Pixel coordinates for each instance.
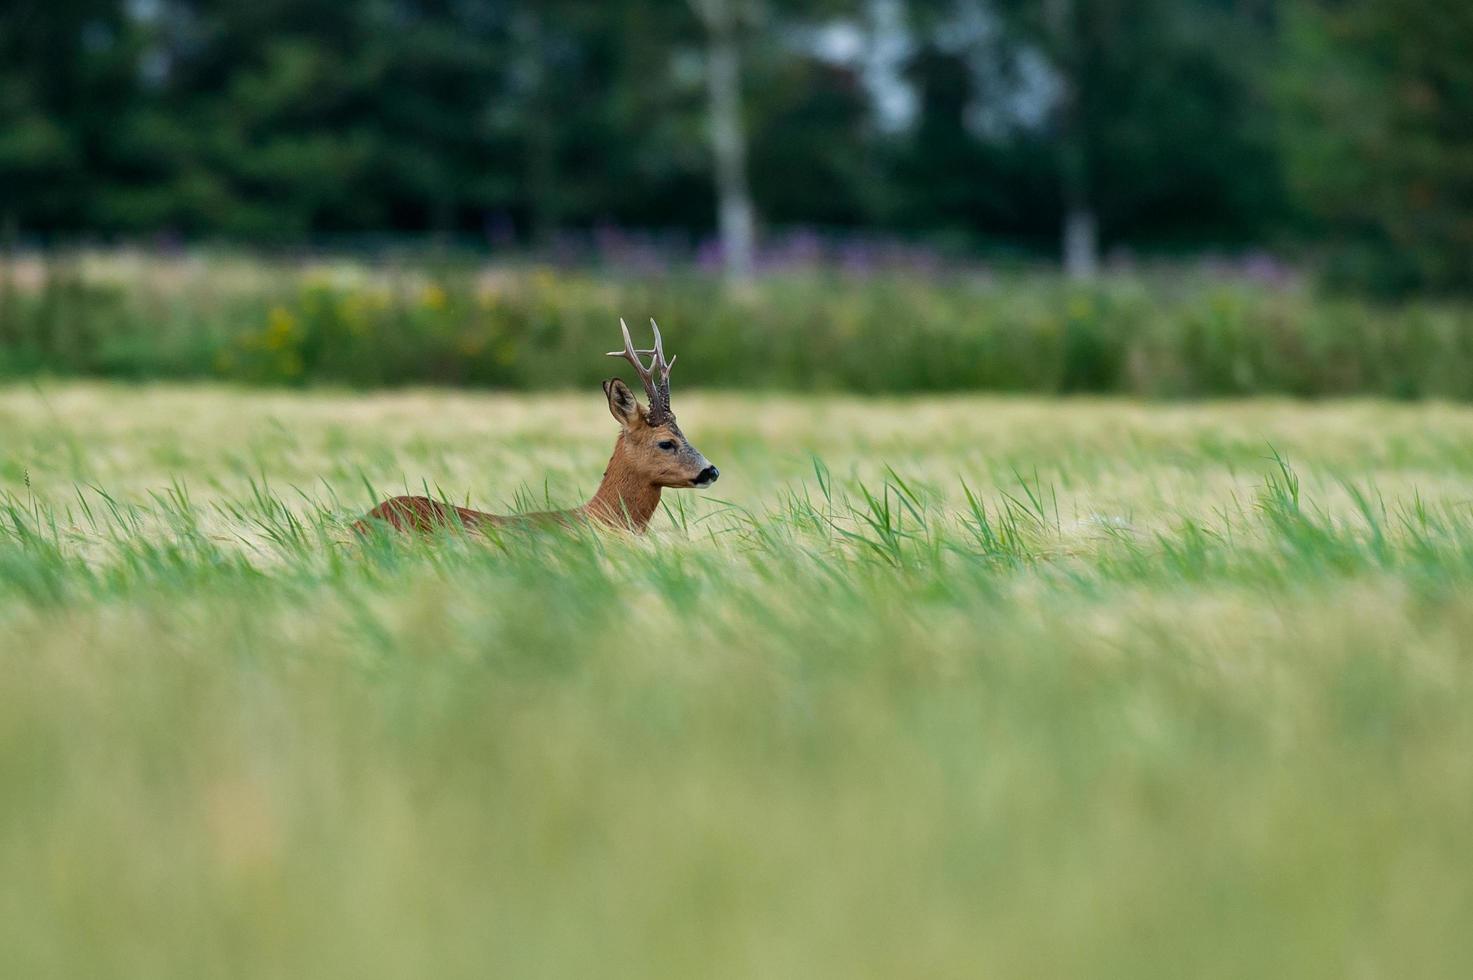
(667, 444)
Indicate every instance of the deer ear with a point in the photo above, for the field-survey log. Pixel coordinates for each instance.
(625, 408)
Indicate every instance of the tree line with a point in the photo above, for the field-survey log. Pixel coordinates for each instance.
(1342, 128)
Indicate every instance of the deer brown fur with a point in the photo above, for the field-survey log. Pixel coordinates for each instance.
(650, 454)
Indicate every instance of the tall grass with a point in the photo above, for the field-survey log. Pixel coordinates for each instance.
(342, 323)
(938, 687)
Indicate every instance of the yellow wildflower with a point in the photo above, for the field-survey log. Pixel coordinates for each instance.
(280, 325)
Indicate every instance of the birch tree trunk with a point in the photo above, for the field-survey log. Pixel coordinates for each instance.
(1080, 245)
(735, 218)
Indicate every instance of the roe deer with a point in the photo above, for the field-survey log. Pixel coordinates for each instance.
(651, 453)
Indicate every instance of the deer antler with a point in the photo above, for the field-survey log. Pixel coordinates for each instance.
(657, 391)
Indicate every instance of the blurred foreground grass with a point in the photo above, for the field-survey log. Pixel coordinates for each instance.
(946, 687)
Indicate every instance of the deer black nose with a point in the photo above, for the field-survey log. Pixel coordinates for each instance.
(707, 476)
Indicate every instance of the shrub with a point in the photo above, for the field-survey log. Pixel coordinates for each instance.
(539, 328)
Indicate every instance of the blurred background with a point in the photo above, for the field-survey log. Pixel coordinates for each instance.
(1155, 197)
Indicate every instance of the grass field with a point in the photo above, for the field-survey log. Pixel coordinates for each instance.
(922, 688)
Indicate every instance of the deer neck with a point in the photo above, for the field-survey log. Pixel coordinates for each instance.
(624, 498)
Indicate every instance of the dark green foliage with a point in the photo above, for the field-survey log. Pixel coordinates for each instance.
(509, 123)
(1378, 99)
(1177, 125)
(277, 122)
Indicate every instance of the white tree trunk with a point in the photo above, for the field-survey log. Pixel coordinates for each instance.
(735, 218)
(1081, 244)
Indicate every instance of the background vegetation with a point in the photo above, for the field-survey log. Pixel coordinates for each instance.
(1337, 130)
(1167, 333)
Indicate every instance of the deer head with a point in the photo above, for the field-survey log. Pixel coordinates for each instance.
(651, 446)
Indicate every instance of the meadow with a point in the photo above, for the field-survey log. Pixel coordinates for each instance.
(925, 686)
